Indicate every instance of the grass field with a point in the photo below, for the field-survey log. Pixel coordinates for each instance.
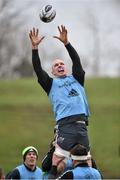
(26, 119)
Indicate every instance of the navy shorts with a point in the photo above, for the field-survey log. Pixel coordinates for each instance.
(70, 134)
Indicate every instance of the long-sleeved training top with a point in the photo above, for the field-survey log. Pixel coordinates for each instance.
(74, 84)
(45, 80)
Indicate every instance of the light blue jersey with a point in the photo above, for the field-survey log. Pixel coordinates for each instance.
(86, 173)
(26, 174)
(68, 97)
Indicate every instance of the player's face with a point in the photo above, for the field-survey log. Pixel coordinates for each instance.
(59, 68)
(30, 159)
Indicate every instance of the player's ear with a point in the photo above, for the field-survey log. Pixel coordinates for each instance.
(53, 72)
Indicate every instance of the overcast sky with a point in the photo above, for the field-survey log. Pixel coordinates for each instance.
(85, 20)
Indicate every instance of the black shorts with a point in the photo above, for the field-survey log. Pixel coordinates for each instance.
(72, 133)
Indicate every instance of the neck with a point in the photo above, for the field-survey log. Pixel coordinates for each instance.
(61, 76)
(30, 167)
(75, 162)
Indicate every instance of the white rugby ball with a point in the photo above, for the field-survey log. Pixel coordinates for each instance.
(47, 13)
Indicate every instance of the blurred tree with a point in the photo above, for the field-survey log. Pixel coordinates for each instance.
(93, 26)
(10, 24)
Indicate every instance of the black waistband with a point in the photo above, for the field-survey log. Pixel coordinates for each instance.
(73, 118)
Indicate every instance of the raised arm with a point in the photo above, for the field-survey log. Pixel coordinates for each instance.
(77, 69)
(43, 78)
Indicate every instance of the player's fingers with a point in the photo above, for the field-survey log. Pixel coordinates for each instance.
(59, 29)
(56, 37)
(37, 31)
(62, 27)
(33, 31)
(30, 32)
(42, 38)
(66, 31)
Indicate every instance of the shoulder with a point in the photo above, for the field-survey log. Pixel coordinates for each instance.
(14, 174)
(39, 169)
(95, 171)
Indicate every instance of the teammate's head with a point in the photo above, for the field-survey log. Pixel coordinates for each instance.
(59, 68)
(28, 150)
(79, 152)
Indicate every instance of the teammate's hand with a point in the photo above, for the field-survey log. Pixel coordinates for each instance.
(62, 34)
(35, 39)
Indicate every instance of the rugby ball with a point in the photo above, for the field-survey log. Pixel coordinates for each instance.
(47, 13)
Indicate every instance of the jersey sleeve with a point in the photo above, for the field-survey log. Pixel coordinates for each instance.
(13, 174)
(43, 78)
(77, 69)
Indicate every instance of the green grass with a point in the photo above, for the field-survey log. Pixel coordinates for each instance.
(26, 119)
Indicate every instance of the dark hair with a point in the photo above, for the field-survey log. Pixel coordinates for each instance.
(79, 150)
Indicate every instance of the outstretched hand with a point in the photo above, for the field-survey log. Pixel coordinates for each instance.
(63, 34)
(35, 39)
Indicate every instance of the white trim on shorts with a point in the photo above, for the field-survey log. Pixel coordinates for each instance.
(61, 152)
